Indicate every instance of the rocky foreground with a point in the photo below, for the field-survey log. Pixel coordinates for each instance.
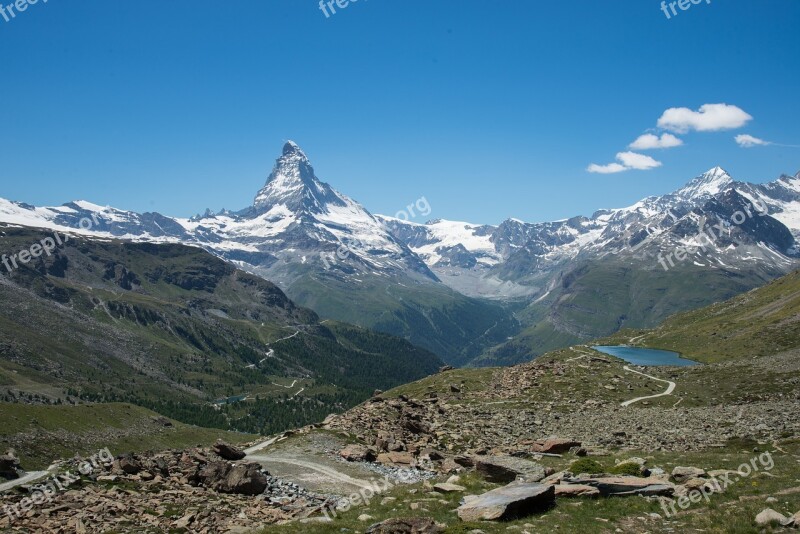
(198, 490)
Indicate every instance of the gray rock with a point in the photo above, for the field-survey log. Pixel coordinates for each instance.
(769, 516)
(682, 474)
(228, 452)
(622, 486)
(513, 501)
(505, 469)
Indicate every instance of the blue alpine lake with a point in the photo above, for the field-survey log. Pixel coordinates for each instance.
(646, 357)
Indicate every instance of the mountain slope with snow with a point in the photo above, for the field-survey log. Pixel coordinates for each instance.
(431, 283)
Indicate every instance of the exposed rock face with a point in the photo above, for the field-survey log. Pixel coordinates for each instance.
(412, 525)
(505, 469)
(770, 516)
(509, 502)
(244, 479)
(228, 452)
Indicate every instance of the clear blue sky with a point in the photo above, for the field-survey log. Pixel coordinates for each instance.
(488, 109)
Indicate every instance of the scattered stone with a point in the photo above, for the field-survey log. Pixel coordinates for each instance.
(512, 501)
(402, 459)
(448, 488)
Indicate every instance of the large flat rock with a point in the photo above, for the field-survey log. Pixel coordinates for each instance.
(505, 469)
(622, 486)
(509, 502)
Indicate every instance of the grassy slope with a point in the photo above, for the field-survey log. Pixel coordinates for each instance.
(171, 327)
(599, 298)
(41, 434)
(761, 322)
(455, 327)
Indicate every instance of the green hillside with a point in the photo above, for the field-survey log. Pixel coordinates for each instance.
(172, 328)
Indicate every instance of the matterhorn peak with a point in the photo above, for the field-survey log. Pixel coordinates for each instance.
(293, 184)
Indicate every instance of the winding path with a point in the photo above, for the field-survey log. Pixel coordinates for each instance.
(669, 390)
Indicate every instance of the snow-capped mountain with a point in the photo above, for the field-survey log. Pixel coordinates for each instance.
(511, 259)
(420, 281)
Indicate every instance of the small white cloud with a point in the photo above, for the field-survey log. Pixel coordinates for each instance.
(629, 161)
(611, 168)
(709, 118)
(650, 141)
(748, 141)
(640, 162)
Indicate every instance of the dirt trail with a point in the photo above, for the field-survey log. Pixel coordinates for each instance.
(670, 387)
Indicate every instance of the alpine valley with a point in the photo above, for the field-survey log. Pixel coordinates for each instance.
(475, 294)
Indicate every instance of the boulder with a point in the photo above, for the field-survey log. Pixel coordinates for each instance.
(516, 500)
(622, 486)
(9, 465)
(128, 464)
(554, 446)
(682, 474)
(228, 452)
(406, 525)
(576, 490)
(769, 516)
(357, 453)
(505, 469)
(243, 479)
(402, 459)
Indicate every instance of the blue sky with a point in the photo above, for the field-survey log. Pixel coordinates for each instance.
(488, 109)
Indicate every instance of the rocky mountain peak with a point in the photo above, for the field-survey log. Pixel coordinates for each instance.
(706, 185)
(294, 185)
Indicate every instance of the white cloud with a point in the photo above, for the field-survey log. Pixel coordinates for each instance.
(650, 141)
(629, 161)
(748, 141)
(709, 118)
(640, 162)
(611, 168)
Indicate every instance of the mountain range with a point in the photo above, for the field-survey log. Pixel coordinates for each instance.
(480, 294)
